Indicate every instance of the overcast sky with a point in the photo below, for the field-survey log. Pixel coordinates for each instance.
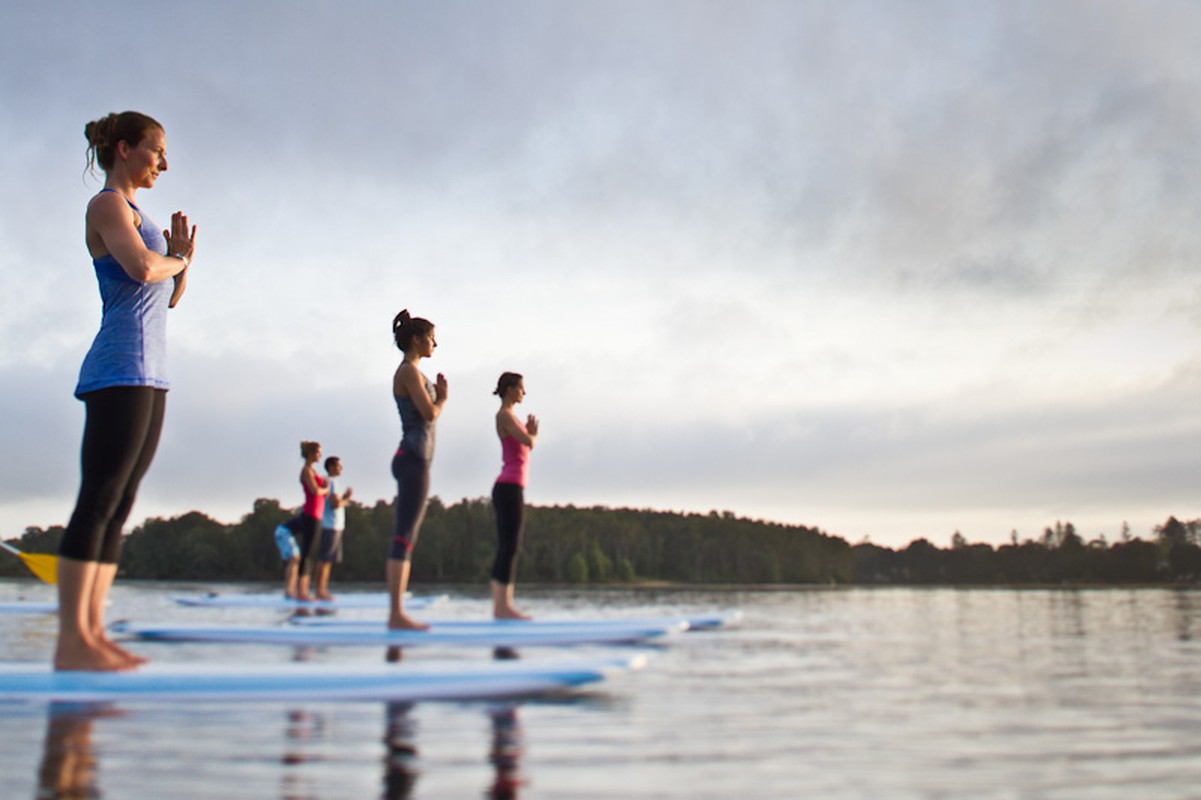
(892, 270)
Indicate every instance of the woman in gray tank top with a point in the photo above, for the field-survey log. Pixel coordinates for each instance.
(419, 403)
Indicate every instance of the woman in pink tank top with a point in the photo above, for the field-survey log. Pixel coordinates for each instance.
(508, 493)
(315, 490)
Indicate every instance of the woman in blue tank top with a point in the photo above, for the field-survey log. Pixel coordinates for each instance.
(419, 403)
(142, 272)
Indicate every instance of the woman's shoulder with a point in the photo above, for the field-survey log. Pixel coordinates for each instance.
(105, 201)
(109, 204)
(507, 422)
(404, 374)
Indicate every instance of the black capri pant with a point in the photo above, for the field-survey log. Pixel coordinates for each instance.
(508, 499)
(120, 435)
(309, 529)
(412, 475)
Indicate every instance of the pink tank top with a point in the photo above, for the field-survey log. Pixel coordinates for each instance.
(515, 458)
(314, 504)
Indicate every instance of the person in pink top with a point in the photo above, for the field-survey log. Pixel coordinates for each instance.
(315, 489)
(508, 493)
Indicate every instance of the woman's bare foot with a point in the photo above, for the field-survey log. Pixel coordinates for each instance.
(509, 613)
(119, 652)
(403, 622)
(78, 655)
(324, 596)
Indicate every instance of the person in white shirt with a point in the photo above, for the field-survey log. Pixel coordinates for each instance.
(333, 524)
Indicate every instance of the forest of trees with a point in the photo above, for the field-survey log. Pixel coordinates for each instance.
(568, 544)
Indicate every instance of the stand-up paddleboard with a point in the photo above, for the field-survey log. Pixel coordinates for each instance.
(278, 601)
(199, 681)
(27, 607)
(378, 635)
(694, 622)
(716, 619)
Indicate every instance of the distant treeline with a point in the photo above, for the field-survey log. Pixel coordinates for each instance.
(568, 544)
(1060, 556)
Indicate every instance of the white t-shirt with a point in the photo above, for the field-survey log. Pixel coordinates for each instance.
(334, 518)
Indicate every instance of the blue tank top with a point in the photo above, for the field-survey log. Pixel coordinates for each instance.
(417, 433)
(131, 347)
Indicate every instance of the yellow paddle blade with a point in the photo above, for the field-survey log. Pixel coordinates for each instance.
(43, 565)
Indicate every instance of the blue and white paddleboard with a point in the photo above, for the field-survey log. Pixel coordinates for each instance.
(278, 601)
(694, 622)
(201, 681)
(378, 635)
(28, 607)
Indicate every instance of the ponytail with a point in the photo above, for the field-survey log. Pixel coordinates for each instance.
(405, 327)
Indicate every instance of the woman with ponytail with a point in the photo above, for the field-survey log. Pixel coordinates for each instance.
(508, 493)
(420, 403)
(316, 492)
(142, 271)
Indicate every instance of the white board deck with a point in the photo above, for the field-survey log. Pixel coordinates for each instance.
(277, 600)
(378, 635)
(201, 681)
(694, 622)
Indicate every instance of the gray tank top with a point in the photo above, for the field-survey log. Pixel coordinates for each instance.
(417, 433)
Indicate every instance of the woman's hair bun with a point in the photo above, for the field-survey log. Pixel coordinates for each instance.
(506, 380)
(103, 135)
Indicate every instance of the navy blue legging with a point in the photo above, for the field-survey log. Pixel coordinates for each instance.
(120, 435)
(412, 475)
(508, 499)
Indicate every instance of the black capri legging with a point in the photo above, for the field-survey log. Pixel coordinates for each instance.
(120, 436)
(309, 529)
(412, 475)
(508, 499)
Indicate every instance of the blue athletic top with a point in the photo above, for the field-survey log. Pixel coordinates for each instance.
(131, 347)
(417, 437)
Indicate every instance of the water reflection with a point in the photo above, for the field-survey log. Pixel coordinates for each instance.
(400, 757)
(1070, 694)
(401, 754)
(505, 754)
(69, 765)
(309, 757)
(302, 729)
(1185, 612)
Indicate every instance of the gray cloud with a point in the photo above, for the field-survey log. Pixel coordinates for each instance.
(707, 226)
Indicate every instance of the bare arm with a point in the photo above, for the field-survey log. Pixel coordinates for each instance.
(111, 231)
(507, 425)
(309, 479)
(181, 284)
(408, 383)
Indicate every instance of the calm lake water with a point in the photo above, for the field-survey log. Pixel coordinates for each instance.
(822, 693)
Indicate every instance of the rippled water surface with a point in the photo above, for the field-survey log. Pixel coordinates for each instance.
(861, 693)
